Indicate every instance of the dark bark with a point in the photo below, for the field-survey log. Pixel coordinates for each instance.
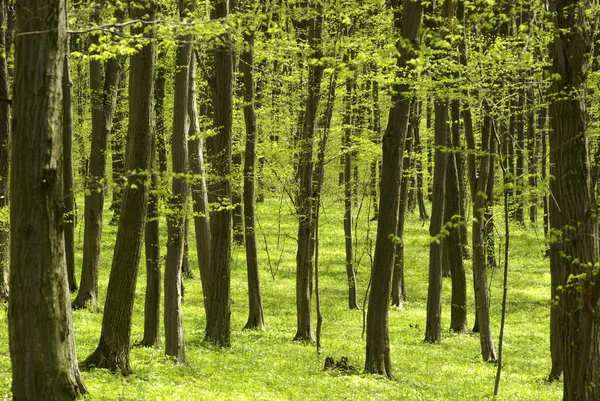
(4, 146)
(433, 327)
(349, 193)
(103, 109)
(176, 221)
(454, 244)
(40, 326)
(68, 177)
(304, 202)
(423, 214)
(378, 358)
(398, 285)
(479, 233)
(198, 187)
(218, 146)
(114, 344)
(256, 319)
(459, 161)
(575, 200)
(152, 253)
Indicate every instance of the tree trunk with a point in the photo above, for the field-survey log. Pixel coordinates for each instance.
(152, 251)
(218, 328)
(479, 232)
(117, 150)
(433, 328)
(174, 339)
(198, 188)
(304, 203)
(348, 193)
(114, 345)
(378, 358)
(454, 243)
(398, 286)
(40, 326)
(256, 319)
(570, 159)
(4, 146)
(103, 108)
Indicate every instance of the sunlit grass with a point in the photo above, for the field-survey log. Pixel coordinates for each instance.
(270, 366)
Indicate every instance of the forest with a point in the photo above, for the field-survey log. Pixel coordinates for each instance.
(299, 199)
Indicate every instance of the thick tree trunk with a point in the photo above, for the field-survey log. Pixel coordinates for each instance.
(40, 326)
(433, 327)
(103, 109)
(114, 345)
(378, 358)
(218, 328)
(304, 204)
(176, 221)
(256, 319)
(576, 204)
(4, 146)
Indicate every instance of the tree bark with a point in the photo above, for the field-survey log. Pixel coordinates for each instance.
(218, 328)
(304, 203)
(348, 191)
(378, 358)
(433, 327)
(174, 339)
(198, 188)
(103, 109)
(114, 345)
(575, 200)
(256, 319)
(4, 146)
(40, 326)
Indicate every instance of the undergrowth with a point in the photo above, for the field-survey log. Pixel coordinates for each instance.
(270, 366)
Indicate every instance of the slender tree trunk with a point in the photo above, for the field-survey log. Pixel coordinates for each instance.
(348, 193)
(304, 204)
(218, 328)
(454, 243)
(40, 326)
(424, 216)
(114, 345)
(256, 319)
(103, 109)
(4, 146)
(174, 339)
(480, 205)
(433, 328)
(198, 188)
(398, 286)
(117, 150)
(378, 358)
(152, 251)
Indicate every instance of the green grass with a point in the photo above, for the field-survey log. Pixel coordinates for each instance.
(269, 366)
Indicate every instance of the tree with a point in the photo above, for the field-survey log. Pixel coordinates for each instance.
(176, 221)
(570, 158)
(114, 345)
(4, 146)
(42, 345)
(104, 97)
(256, 318)
(378, 349)
(218, 315)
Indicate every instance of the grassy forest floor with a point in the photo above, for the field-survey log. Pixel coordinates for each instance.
(270, 366)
